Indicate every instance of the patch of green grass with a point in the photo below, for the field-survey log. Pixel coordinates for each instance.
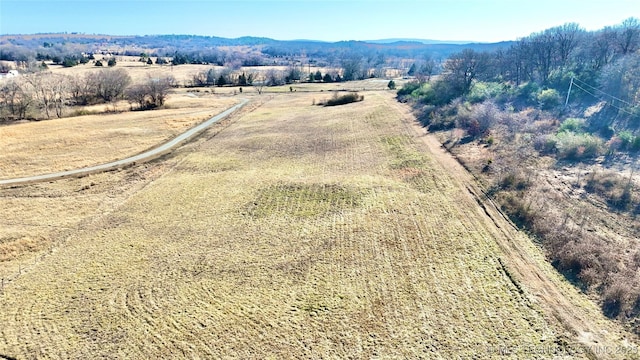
(303, 200)
(404, 156)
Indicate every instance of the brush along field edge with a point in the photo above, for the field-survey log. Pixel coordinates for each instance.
(600, 337)
(132, 160)
(303, 232)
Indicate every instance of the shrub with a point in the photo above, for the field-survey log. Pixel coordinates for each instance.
(614, 144)
(521, 213)
(408, 88)
(391, 85)
(624, 140)
(481, 91)
(572, 146)
(490, 140)
(545, 144)
(445, 117)
(612, 187)
(344, 99)
(479, 120)
(423, 94)
(635, 144)
(575, 125)
(440, 121)
(514, 181)
(626, 137)
(618, 297)
(69, 61)
(548, 99)
(527, 92)
(425, 114)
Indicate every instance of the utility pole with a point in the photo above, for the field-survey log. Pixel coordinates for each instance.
(568, 93)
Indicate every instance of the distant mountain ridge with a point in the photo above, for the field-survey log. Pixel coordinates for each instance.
(30, 45)
(422, 41)
(243, 40)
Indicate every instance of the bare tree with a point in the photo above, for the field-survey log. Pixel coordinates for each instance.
(259, 81)
(204, 78)
(110, 83)
(602, 47)
(15, 99)
(274, 77)
(50, 92)
(158, 88)
(152, 93)
(462, 68)
(83, 89)
(137, 94)
(567, 37)
(542, 48)
(423, 69)
(628, 36)
(352, 68)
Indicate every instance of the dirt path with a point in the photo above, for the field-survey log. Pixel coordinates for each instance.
(599, 337)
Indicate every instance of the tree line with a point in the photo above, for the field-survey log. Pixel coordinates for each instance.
(562, 99)
(605, 62)
(46, 94)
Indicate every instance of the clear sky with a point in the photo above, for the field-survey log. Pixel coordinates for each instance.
(329, 20)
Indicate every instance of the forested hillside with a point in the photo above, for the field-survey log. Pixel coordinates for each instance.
(247, 51)
(551, 126)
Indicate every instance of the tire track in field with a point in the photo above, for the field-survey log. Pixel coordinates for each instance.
(347, 257)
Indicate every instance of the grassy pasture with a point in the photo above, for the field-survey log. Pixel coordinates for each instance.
(183, 74)
(297, 232)
(62, 144)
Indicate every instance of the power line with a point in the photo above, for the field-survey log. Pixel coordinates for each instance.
(598, 97)
(601, 91)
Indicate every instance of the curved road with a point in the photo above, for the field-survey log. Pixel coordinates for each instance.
(143, 157)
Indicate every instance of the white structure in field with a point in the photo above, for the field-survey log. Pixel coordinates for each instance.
(10, 74)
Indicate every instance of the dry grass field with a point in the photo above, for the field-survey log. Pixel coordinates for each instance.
(34, 148)
(183, 74)
(297, 231)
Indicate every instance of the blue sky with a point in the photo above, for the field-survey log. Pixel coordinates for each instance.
(329, 20)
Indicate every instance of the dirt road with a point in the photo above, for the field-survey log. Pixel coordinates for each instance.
(140, 158)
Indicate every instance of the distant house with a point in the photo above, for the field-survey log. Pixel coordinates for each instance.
(9, 74)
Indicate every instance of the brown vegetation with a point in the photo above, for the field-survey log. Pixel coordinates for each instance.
(584, 214)
(297, 232)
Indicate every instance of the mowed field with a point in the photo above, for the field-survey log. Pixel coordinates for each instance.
(297, 231)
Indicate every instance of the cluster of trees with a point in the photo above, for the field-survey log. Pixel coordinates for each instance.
(222, 77)
(541, 66)
(270, 77)
(45, 94)
(151, 93)
(327, 77)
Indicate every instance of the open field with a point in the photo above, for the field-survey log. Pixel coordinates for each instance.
(62, 144)
(298, 231)
(183, 74)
